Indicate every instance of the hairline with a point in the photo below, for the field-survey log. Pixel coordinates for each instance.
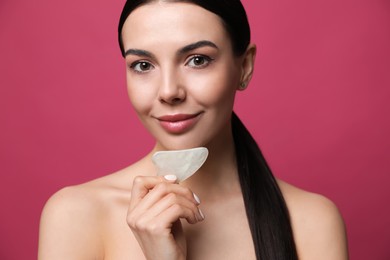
(148, 2)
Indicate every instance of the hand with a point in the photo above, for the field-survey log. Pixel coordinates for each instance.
(157, 204)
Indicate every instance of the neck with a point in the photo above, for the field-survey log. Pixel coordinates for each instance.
(218, 176)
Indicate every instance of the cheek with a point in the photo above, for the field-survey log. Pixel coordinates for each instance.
(215, 88)
(141, 94)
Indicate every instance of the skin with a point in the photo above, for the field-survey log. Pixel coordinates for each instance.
(133, 214)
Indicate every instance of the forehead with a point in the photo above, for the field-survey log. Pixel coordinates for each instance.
(172, 22)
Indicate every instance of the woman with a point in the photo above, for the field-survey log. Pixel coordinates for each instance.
(185, 61)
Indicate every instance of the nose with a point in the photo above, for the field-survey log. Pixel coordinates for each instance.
(171, 91)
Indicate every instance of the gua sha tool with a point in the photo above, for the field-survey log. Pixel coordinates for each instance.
(181, 163)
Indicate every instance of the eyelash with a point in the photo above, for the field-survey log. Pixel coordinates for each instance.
(138, 63)
(206, 62)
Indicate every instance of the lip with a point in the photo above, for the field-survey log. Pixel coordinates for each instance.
(178, 123)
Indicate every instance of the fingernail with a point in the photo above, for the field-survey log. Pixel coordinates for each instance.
(170, 177)
(201, 214)
(196, 198)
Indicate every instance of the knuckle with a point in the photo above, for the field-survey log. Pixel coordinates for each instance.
(171, 197)
(135, 223)
(138, 180)
(140, 225)
(161, 188)
(154, 228)
(176, 208)
(130, 221)
(189, 194)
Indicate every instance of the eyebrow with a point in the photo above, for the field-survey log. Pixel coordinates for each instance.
(197, 45)
(185, 49)
(138, 52)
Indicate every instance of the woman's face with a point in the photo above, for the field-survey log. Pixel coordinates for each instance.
(182, 74)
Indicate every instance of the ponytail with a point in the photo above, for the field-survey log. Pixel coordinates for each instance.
(266, 209)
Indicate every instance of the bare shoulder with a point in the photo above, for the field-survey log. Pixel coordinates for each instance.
(67, 225)
(318, 226)
(74, 219)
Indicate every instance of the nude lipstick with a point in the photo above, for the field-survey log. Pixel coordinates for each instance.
(178, 123)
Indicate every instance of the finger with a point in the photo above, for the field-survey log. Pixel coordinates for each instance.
(161, 224)
(142, 185)
(159, 191)
(175, 212)
(187, 204)
(168, 201)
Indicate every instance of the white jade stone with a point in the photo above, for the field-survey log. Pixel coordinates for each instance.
(182, 163)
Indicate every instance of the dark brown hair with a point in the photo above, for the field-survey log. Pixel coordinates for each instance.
(266, 210)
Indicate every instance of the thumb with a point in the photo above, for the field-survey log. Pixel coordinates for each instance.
(171, 178)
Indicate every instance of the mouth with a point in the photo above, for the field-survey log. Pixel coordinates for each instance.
(178, 123)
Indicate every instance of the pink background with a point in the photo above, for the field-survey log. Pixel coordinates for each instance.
(318, 105)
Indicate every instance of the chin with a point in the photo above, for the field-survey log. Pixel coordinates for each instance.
(177, 146)
(180, 143)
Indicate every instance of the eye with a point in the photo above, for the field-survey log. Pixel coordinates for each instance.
(199, 61)
(141, 66)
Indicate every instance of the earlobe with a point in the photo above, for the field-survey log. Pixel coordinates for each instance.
(242, 86)
(247, 66)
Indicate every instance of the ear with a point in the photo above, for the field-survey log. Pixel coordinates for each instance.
(247, 66)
